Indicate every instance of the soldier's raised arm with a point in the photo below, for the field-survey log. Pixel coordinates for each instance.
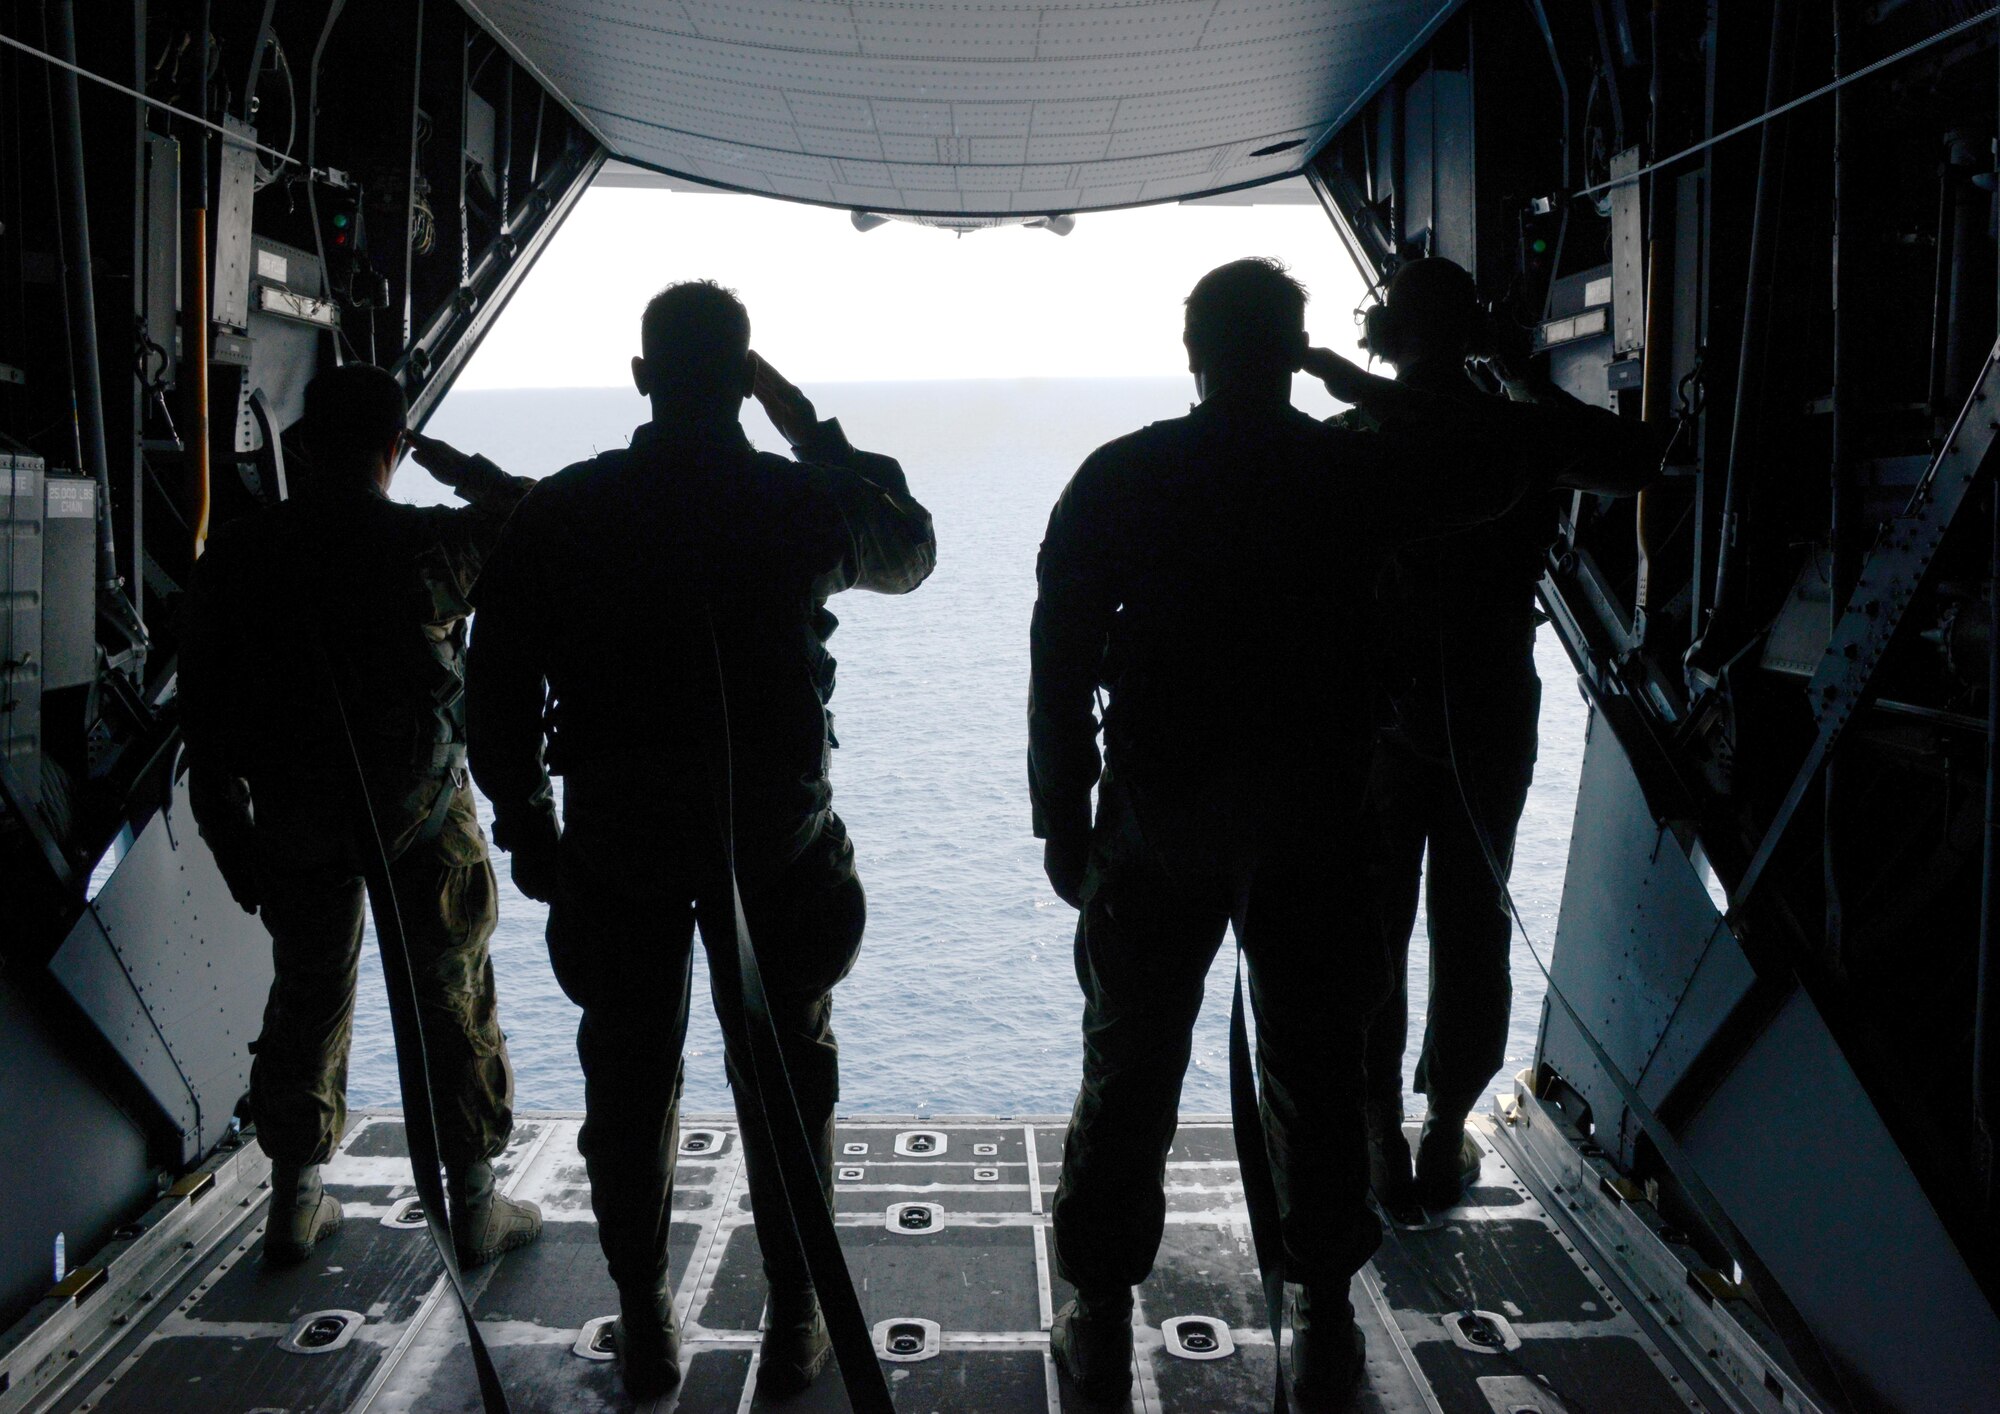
(884, 539)
(466, 535)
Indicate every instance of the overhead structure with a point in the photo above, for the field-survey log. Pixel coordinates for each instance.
(967, 109)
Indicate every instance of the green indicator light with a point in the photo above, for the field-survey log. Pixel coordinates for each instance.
(340, 219)
(1541, 247)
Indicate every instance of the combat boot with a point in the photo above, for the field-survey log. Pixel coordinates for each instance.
(1328, 1353)
(647, 1339)
(796, 1345)
(1389, 1158)
(1091, 1339)
(302, 1212)
(484, 1221)
(1447, 1160)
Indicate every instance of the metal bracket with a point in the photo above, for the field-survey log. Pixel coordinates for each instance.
(1890, 577)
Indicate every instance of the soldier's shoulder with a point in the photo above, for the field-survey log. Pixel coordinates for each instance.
(1135, 451)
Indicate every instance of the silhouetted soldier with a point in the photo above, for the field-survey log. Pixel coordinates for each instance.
(1213, 573)
(626, 585)
(1453, 768)
(342, 590)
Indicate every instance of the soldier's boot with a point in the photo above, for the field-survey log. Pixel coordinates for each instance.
(1389, 1158)
(796, 1346)
(484, 1221)
(647, 1340)
(1328, 1353)
(1091, 1339)
(1447, 1159)
(302, 1212)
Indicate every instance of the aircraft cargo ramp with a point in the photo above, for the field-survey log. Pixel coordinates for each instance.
(1501, 1304)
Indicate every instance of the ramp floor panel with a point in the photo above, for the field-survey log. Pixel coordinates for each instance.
(1485, 1308)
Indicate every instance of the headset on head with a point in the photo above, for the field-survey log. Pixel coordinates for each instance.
(1384, 332)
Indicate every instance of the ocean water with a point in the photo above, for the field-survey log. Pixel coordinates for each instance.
(964, 1000)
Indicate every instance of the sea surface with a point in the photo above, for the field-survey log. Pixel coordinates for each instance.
(964, 1000)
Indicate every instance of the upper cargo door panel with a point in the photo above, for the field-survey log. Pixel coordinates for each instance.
(966, 108)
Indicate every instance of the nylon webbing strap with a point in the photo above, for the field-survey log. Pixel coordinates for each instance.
(791, 1147)
(1260, 1192)
(776, 1113)
(412, 1061)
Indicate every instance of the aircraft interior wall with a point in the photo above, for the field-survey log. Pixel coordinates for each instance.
(1777, 639)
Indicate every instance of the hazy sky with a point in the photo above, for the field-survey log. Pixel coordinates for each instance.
(829, 303)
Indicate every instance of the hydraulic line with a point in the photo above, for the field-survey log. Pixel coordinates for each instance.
(1715, 647)
(195, 316)
(86, 373)
(1985, 1044)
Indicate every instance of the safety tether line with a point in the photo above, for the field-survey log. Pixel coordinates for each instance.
(1833, 86)
(229, 139)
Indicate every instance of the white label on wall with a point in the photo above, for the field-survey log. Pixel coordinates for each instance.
(271, 266)
(72, 499)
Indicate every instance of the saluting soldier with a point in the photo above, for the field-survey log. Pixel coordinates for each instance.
(654, 628)
(324, 651)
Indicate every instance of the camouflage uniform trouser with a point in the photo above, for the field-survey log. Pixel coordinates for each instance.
(310, 873)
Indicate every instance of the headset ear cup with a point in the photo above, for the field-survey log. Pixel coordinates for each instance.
(1376, 327)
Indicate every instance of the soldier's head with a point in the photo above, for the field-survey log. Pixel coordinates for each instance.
(694, 350)
(1430, 314)
(1246, 328)
(354, 424)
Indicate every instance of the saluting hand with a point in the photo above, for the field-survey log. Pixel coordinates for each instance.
(789, 409)
(1346, 380)
(442, 460)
